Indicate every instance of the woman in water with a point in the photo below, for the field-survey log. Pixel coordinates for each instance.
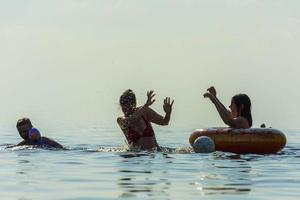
(239, 115)
(136, 122)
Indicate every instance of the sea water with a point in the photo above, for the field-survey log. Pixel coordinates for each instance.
(97, 165)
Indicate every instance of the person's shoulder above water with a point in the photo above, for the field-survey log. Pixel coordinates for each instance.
(51, 143)
(31, 135)
(24, 142)
(240, 122)
(44, 142)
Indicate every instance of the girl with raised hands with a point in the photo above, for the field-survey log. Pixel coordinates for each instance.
(136, 122)
(239, 115)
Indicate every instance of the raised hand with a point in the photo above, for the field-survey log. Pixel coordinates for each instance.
(207, 95)
(211, 92)
(150, 98)
(168, 105)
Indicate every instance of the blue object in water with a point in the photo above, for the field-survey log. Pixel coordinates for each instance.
(204, 144)
(35, 137)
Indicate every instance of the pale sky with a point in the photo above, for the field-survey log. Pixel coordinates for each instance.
(67, 62)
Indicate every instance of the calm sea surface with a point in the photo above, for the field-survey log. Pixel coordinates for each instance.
(97, 166)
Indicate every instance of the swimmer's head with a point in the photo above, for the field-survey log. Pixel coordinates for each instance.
(241, 106)
(34, 135)
(128, 102)
(23, 126)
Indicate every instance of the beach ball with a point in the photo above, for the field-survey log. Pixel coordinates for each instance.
(204, 144)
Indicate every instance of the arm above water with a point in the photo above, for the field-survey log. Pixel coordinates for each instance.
(125, 122)
(157, 118)
(223, 112)
(52, 143)
(24, 142)
(238, 122)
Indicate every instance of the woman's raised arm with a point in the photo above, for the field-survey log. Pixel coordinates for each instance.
(223, 112)
(157, 118)
(125, 122)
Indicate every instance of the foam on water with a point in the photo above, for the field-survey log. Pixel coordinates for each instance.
(124, 148)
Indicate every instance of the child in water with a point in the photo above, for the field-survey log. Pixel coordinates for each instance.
(136, 122)
(239, 115)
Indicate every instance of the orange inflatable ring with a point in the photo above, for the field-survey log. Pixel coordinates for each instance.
(243, 141)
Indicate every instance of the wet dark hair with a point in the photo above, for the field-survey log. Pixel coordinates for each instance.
(127, 99)
(24, 121)
(243, 99)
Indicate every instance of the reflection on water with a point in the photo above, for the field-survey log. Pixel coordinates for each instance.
(111, 172)
(26, 168)
(231, 179)
(134, 155)
(143, 175)
(224, 190)
(139, 176)
(128, 171)
(133, 182)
